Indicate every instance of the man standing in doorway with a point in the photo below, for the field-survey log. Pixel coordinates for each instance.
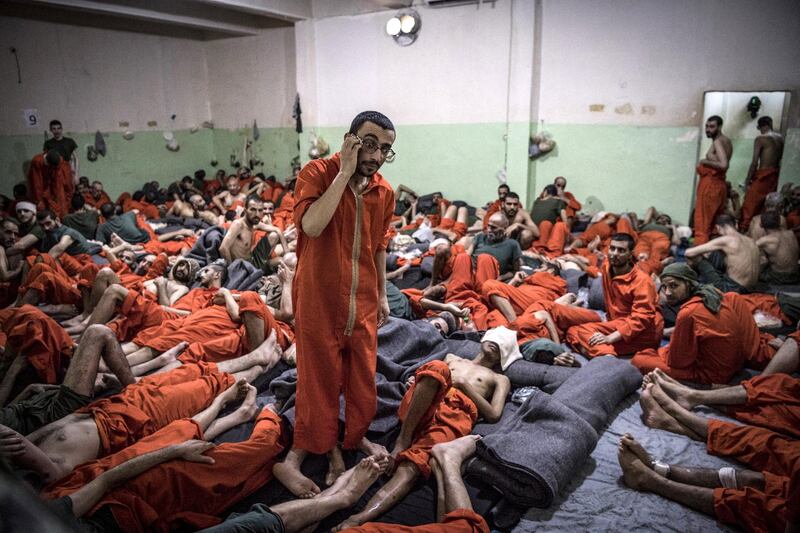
(762, 177)
(342, 210)
(711, 189)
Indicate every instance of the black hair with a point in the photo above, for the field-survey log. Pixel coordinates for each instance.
(222, 270)
(151, 195)
(55, 123)
(551, 189)
(138, 195)
(625, 238)
(512, 194)
(725, 220)
(187, 179)
(252, 197)
(199, 174)
(375, 117)
(770, 220)
(107, 210)
(715, 118)
(20, 189)
(765, 121)
(52, 157)
(230, 215)
(504, 186)
(43, 214)
(78, 201)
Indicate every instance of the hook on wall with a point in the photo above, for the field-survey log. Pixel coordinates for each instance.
(16, 58)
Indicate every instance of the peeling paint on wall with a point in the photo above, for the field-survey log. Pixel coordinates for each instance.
(596, 108)
(648, 110)
(626, 109)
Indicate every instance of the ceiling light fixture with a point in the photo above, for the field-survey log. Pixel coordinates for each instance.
(404, 26)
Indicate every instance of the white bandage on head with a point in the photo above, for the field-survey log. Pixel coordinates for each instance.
(662, 469)
(727, 477)
(28, 206)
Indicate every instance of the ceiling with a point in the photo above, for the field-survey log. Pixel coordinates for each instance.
(191, 19)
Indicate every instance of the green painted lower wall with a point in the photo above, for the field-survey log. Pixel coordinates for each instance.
(615, 168)
(461, 160)
(129, 164)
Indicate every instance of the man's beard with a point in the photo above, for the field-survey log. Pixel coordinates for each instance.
(491, 237)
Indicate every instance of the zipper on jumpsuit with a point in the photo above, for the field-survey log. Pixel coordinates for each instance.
(351, 313)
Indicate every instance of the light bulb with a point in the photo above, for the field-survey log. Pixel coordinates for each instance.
(393, 26)
(407, 23)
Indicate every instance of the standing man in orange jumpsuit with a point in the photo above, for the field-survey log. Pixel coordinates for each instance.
(343, 208)
(711, 189)
(50, 182)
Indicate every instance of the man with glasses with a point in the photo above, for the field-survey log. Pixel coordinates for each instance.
(342, 209)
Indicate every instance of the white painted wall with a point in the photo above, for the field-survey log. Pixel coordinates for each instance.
(252, 78)
(92, 79)
(456, 71)
(663, 54)
(737, 122)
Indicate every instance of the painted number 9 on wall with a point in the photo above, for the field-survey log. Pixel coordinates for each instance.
(31, 117)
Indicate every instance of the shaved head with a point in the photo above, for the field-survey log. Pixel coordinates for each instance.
(499, 219)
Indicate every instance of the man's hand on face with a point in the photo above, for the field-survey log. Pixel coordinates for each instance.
(349, 154)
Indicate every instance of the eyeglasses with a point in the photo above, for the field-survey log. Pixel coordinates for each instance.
(370, 146)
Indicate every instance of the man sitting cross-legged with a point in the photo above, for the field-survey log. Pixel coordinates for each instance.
(715, 335)
(755, 499)
(442, 405)
(112, 424)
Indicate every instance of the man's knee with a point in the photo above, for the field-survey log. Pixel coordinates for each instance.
(98, 332)
(117, 291)
(433, 373)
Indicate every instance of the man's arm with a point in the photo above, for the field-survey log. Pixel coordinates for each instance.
(16, 367)
(383, 302)
(173, 234)
(490, 411)
(217, 201)
(61, 246)
(227, 241)
(179, 292)
(7, 273)
(722, 157)
(529, 224)
(89, 495)
(230, 304)
(319, 213)
(720, 243)
(25, 454)
(23, 244)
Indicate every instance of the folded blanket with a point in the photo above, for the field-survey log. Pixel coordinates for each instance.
(534, 450)
(206, 249)
(243, 276)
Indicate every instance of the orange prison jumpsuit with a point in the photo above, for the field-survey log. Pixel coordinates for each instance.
(457, 521)
(177, 494)
(656, 245)
(284, 214)
(51, 188)
(766, 303)
(53, 284)
(145, 407)
(765, 181)
(451, 415)
(40, 339)
(573, 205)
(335, 296)
(707, 347)
(250, 302)
(97, 202)
(776, 456)
(493, 208)
(564, 316)
(773, 402)
(459, 228)
(709, 202)
(632, 306)
(536, 287)
(552, 238)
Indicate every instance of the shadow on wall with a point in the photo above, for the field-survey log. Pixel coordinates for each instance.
(593, 205)
(22, 160)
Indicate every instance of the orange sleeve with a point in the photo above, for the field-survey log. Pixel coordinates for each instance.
(643, 310)
(310, 186)
(250, 301)
(683, 344)
(573, 203)
(36, 180)
(158, 268)
(388, 213)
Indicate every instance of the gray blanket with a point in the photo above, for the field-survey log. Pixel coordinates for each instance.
(403, 346)
(243, 276)
(537, 447)
(206, 249)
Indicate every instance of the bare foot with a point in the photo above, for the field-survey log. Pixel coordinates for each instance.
(631, 444)
(335, 466)
(453, 453)
(248, 410)
(83, 317)
(290, 355)
(235, 392)
(655, 417)
(116, 240)
(680, 393)
(103, 382)
(635, 474)
(567, 299)
(268, 353)
(175, 351)
(361, 477)
(289, 474)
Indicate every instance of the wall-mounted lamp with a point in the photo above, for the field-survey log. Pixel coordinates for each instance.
(404, 26)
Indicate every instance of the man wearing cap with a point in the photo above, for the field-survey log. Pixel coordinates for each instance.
(715, 334)
(50, 182)
(442, 404)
